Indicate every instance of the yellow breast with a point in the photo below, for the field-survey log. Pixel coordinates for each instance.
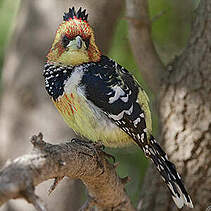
(89, 121)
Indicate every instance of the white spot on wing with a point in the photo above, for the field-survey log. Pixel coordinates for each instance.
(120, 115)
(124, 99)
(129, 112)
(142, 137)
(98, 75)
(145, 130)
(135, 122)
(109, 93)
(142, 115)
(118, 92)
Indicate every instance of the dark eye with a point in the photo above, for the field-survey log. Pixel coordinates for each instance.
(65, 41)
(87, 43)
(79, 42)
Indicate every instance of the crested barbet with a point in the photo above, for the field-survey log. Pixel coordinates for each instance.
(100, 100)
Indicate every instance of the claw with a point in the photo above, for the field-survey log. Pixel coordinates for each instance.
(99, 145)
(98, 148)
(116, 165)
(125, 180)
(55, 183)
(109, 156)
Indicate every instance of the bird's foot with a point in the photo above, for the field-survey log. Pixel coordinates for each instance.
(95, 147)
(55, 183)
(109, 156)
(99, 146)
(89, 204)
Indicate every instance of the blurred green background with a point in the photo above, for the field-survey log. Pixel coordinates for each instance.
(8, 12)
(171, 22)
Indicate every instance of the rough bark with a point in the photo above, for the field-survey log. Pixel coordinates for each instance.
(185, 118)
(75, 159)
(186, 110)
(25, 107)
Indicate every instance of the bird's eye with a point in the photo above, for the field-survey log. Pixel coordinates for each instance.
(75, 43)
(65, 41)
(87, 43)
(79, 42)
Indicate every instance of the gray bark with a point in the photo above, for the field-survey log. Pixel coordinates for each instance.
(185, 119)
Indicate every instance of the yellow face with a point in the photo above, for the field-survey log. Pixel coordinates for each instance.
(74, 44)
(75, 52)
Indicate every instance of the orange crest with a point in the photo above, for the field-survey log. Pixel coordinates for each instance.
(74, 24)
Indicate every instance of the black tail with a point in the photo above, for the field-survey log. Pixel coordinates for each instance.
(168, 173)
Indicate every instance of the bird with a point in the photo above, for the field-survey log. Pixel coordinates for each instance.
(101, 100)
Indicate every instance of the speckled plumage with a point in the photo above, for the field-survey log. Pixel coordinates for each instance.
(95, 87)
(101, 100)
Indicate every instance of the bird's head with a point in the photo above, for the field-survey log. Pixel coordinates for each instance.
(74, 42)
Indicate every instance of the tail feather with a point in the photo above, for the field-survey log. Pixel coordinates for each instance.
(168, 173)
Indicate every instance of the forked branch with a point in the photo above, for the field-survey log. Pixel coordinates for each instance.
(74, 159)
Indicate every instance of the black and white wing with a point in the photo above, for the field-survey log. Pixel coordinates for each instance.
(112, 88)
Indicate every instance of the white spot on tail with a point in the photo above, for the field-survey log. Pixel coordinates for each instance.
(180, 200)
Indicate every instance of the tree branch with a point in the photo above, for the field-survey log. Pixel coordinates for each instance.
(75, 159)
(139, 27)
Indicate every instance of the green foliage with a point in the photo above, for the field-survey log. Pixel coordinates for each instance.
(120, 50)
(8, 10)
(170, 25)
